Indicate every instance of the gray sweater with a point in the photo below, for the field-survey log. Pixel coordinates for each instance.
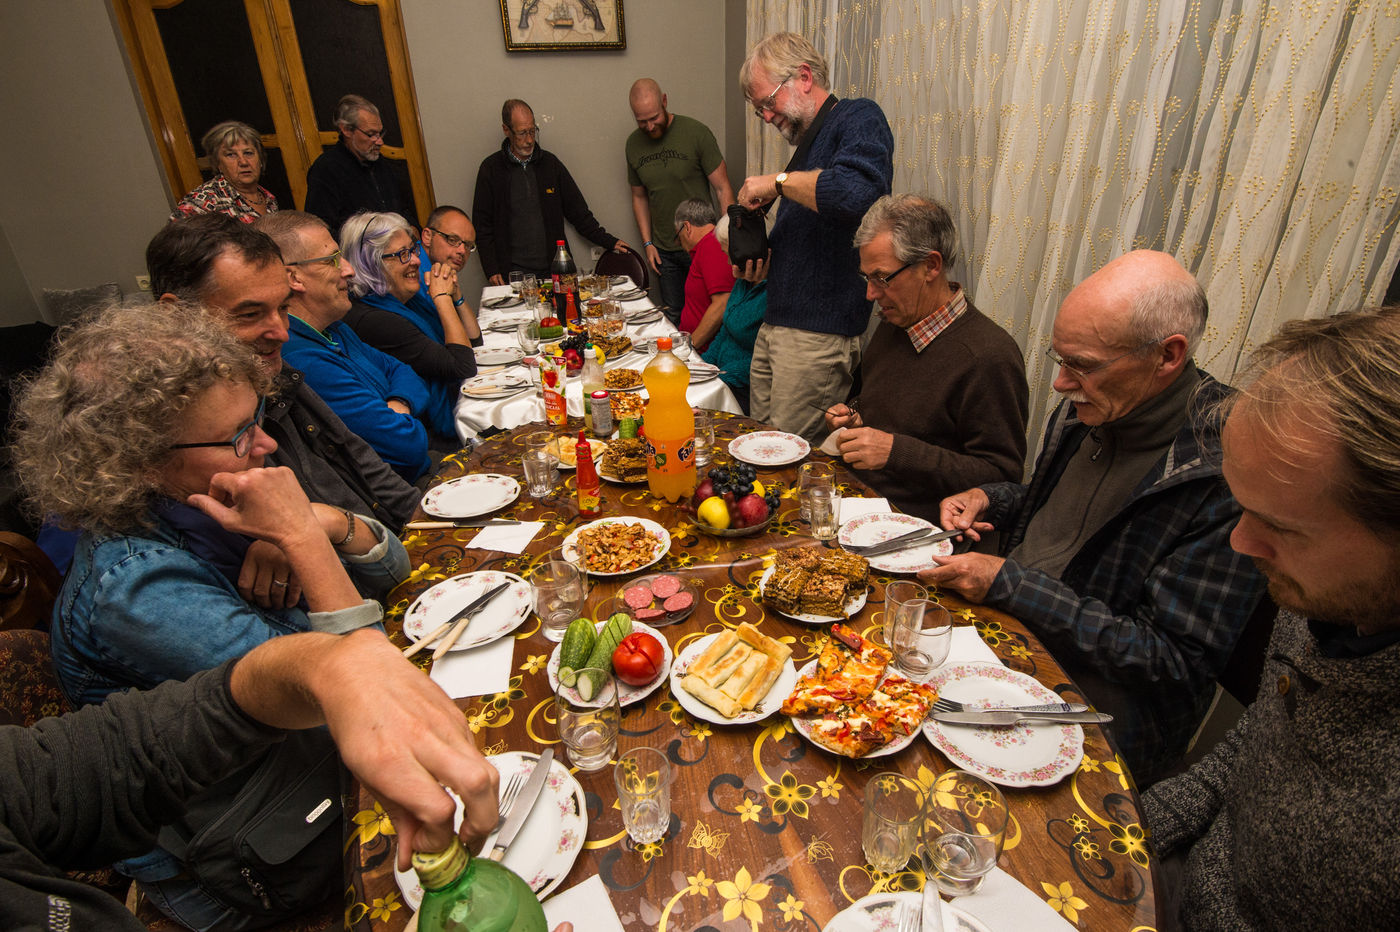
(1291, 821)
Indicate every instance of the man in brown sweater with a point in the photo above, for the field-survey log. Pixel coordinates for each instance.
(943, 397)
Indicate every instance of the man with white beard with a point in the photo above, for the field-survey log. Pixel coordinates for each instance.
(1117, 553)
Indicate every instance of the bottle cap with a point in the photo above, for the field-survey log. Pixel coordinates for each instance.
(663, 343)
(438, 869)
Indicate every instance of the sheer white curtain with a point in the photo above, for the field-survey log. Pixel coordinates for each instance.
(1256, 142)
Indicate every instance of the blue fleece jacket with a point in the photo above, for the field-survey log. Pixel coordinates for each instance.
(813, 282)
(441, 414)
(357, 381)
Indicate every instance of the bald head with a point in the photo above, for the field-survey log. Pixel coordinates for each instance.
(649, 107)
(1141, 296)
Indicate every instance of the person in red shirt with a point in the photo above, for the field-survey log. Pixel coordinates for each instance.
(710, 280)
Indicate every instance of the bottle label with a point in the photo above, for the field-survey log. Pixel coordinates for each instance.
(588, 499)
(669, 456)
(555, 407)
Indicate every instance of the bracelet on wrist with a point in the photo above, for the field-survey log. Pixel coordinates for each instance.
(646, 244)
(443, 294)
(458, 302)
(349, 529)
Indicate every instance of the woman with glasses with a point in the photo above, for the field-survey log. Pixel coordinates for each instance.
(143, 431)
(391, 314)
(235, 152)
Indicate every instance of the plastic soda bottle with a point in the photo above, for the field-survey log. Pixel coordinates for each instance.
(670, 430)
(586, 477)
(592, 377)
(466, 894)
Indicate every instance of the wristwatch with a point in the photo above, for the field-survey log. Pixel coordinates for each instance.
(778, 181)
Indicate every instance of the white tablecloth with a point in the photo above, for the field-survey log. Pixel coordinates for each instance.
(475, 415)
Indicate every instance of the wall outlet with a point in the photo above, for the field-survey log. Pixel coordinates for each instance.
(143, 282)
(597, 253)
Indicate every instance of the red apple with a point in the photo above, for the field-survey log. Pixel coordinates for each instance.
(752, 511)
(704, 490)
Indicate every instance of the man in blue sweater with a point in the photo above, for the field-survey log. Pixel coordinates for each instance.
(810, 340)
(376, 396)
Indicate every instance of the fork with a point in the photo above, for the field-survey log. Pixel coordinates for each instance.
(511, 791)
(952, 705)
(909, 917)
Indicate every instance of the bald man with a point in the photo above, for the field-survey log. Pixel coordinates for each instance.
(1117, 553)
(670, 159)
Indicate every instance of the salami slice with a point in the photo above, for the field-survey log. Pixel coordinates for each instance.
(665, 586)
(638, 596)
(648, 614)
(679, 602)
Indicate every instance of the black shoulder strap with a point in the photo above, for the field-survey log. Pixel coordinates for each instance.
(805, 142)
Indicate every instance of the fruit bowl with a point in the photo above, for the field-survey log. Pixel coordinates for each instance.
(749, 531)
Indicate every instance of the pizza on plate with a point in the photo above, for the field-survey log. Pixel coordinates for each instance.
(850, 704)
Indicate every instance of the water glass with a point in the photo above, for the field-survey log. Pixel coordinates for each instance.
(812, 474)
(528, 333)
(517, 279)
(923, 634)
(889, 829)
(704, 436)
(541, 463)
(643, 779)
(823, 508)
(680, 344)
(559, 597)
(962, 830)
(896, 594)
(589, 727)
(530, 291)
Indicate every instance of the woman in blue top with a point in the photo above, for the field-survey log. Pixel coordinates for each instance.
(144, 431)
(390, 313)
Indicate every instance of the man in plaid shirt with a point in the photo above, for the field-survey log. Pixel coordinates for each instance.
(1117, 553)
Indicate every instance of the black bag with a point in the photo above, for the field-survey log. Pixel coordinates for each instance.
(266, 841)
(748, 235)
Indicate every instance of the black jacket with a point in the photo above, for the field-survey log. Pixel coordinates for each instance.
(339, 185)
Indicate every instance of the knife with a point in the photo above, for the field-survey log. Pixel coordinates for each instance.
(890, 546)
(442, 628)
(523, 804)
(917, 532)
(1011, 717)
(433, 525)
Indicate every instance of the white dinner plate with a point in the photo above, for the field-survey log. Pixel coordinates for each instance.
(627, 694)
(499, 617)
(1026, 754)
(769, 448)
(569, 461)
(769, 704)
(870, 529)
(853, 605)
(498, 355)
(803, 726)
(469, 496)
(503, 301)
(660, 537)
(704, 372)
(498, 384)
(880, 912)
(550, 840)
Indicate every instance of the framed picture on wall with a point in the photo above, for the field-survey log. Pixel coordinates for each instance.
(562, 25)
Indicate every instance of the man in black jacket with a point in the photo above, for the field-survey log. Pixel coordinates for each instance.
(351, 176)
(523, 196)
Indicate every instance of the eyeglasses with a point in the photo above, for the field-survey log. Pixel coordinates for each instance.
(525, 133)
(333, 260)
(372, 133)
(883, 281)
(1083, 372)
(454, 241)
(241, 442)
(770, 102)
(404, 254)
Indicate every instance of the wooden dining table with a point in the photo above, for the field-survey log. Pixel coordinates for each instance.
(765, 826)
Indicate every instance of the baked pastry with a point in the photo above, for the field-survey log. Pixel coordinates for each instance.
(805, 557)
(737, 670)
(626, 459)
(823, 594)
(783, 588)
(854, 569)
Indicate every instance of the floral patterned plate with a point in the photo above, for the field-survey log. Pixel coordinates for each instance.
(499, 617)
(853, 605)
(550, 840)
(626, 693)
(1026, 754)
(880, 912)
(498, 355)
(497, 384)
(660, 538)
(769, 704)
(469, 496)
(870, 529)
(769, 448)
(803, 726)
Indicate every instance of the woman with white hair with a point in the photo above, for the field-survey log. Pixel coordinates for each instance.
(236, 153)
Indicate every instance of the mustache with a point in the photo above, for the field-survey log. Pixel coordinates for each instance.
(1076, 396)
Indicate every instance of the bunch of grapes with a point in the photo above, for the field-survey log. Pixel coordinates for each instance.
(574, 341)
(739, 479)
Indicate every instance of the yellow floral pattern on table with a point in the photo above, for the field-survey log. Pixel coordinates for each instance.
(742, 896)
(1062, 900)
(789, 796)
(712, 842)
(371, 824)
(1129, 840)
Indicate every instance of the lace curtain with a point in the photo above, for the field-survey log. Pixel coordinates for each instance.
(1257, 143)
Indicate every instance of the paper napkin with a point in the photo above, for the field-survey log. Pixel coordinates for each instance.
(586, 905)
(852, 508)
(480, 671)
(507, 538)
(968, 647)
(1005, 903)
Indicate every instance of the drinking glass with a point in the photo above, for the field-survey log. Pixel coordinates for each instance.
(530, 291)
(704, 436)
(643, 779)
(896, 594)
(823, 507)
(889, 829)
(962, 830)
(923, 633)
(812, 474)
(541, 464)
(559, 597)
(517, 279)
(528, 333)
(680, 344)
(589, 727)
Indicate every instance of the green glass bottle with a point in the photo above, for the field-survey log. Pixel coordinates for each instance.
(466, 894)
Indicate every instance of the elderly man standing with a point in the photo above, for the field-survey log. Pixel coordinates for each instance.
(523, 196)
(710, 279)
(943, 397)
(817, 310)
(350, 176)
(238, 271)
(1116, 555)
(670, 159)
(376, 396)
(1312, 454)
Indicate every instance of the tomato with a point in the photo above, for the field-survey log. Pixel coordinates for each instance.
(551, 322)
(638, 659)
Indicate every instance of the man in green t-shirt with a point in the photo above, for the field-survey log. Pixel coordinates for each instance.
(670, 159)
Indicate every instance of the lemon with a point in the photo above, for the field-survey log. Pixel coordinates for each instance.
(714, 512)
(758, 488)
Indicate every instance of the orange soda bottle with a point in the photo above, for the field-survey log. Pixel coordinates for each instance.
(670, 437)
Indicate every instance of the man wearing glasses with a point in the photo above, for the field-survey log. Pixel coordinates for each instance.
(448, 237)
(350, 176)
(1117, 554)
(807, 350)
(523, 196)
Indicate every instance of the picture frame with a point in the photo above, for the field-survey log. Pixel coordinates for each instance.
(562, 25)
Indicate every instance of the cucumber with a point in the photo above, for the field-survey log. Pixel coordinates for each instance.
(574, 650)
(609, 636)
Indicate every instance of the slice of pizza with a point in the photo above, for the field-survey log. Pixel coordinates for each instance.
(854, 733)
(847, 671)
(903, 703)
